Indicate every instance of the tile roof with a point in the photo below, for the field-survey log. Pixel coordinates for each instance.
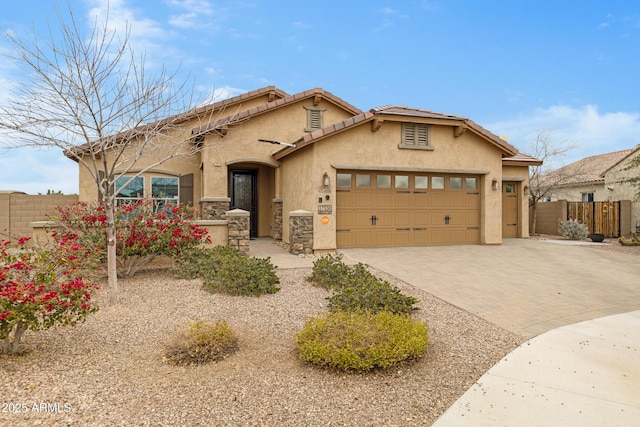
(242, 98)
(394, 110)
(521, 159)
(588, 170)
(220, 105)
(288, 99)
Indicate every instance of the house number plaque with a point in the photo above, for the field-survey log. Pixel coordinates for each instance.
(324, 209)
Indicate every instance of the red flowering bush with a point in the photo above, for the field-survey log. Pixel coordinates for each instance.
(143, 231)
(41, 286)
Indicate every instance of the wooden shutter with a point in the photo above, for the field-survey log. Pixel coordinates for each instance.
(315, 119)
(415, 134)
(186, 189)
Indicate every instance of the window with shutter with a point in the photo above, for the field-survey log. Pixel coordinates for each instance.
(415, 135)
(314, 118)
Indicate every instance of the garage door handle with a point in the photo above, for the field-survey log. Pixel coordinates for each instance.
(342, 231)
(403, 229)
(473, 228)
(419, 229)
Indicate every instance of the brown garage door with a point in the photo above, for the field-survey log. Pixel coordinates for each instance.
(406, 209)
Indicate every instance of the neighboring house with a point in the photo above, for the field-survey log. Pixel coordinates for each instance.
(597, 179)
(391, 176)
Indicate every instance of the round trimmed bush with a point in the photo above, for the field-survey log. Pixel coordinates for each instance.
(200, 343)
(361, 340)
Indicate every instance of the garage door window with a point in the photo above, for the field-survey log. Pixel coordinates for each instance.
(363, 181)
(343, 180)
(455, 183)
(422, 182)
(402, 181)
(470, 183)
(437, 183)
(384, 181)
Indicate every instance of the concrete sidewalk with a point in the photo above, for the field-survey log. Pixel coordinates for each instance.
(587, 374)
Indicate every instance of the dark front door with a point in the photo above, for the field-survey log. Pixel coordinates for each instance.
(244, 196)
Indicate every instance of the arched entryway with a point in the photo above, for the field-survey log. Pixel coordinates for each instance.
(252, 188)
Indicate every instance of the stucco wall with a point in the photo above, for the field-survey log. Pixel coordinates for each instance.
(624, 191)
(520, 175)
(18, 210)
(360, 147)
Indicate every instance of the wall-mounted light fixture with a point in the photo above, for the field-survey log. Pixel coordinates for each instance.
(495, 185)
(326, 181)
(526, 190)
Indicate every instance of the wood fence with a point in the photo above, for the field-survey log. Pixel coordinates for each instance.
(600, 217)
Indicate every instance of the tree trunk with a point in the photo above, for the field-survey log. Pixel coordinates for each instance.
(535, 217)
(112, 268)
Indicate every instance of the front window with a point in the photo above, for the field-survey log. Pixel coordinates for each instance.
(587, 197)
(129, 191)
(165, 190)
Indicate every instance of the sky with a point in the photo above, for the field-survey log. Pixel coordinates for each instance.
(517, 68)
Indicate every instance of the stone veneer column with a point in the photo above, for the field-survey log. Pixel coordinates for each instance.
(214, 208)
(277, 219)
(238, 224)
(301, 232)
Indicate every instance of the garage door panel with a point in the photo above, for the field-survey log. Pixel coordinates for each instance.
(401, 219)
(345, 218)
(384, 200)
(420, 199)
(471, 219)
(456, 200)
(402, 237)
(384, 237)
(420, 237)
(415, 216)
(402, 199)
(344, 199)
(363, 199)
(420, 219)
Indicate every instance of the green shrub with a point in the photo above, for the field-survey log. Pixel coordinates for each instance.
(224, 270)
(243, 276)
(329, 272)
(361, 340)
(200, 343)
(573, 229)
(356, 288)
(374, 296)
(199, 262)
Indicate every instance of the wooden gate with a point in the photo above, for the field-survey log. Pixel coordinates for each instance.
(600, 217)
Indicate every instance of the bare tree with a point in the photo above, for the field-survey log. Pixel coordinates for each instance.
(542, 180)
(632, 164)
(90, 95)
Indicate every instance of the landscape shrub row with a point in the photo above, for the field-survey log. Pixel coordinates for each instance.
(369, 324)
(222, 269)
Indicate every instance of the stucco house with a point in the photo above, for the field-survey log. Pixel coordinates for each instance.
(390, 176)
(598, 179)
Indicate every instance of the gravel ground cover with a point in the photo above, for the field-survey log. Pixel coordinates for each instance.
(110, 370)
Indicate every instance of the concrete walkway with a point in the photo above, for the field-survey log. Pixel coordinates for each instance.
(587, 374)
(568, 373)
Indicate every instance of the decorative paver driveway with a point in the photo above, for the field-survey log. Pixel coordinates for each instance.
(526, 286)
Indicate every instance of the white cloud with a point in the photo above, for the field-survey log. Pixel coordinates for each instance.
(591, 130)
(301, 25)
(146, 35)
(194, 13)
(32, 171)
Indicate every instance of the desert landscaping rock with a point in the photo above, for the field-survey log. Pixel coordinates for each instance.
(109, 370)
